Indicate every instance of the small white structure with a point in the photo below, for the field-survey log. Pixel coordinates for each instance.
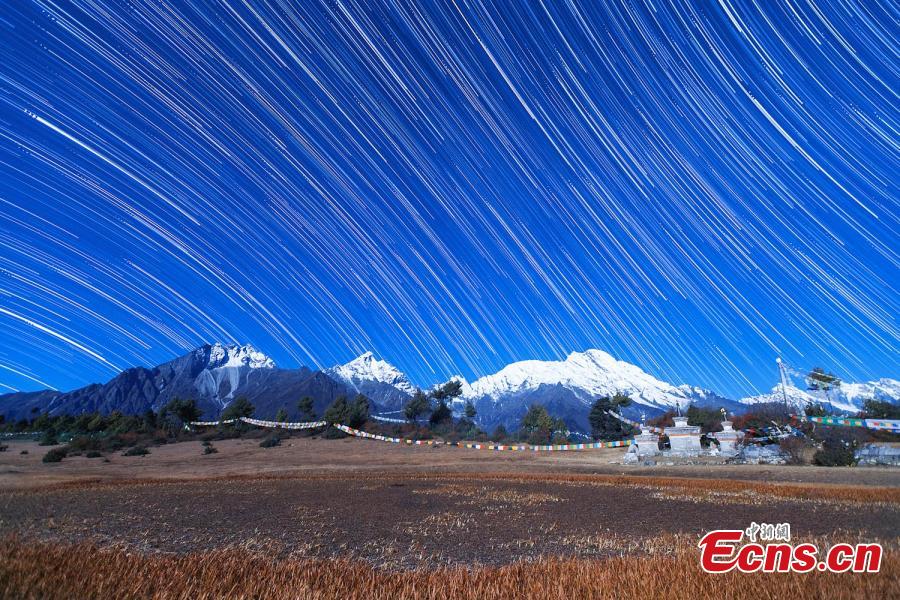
(728, 439)
(684, 439)
(646, 443)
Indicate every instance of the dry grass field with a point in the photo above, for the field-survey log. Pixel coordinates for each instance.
(363, 519)
(666, 569)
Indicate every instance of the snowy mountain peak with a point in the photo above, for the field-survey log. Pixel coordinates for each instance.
(591, 374)
(367, 369)
(221, 355)
(848, 398)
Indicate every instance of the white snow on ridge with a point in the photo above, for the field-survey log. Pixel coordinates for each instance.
(848, 398)
(592, 371)
(367, 368)
(221, 356)
(225, 372)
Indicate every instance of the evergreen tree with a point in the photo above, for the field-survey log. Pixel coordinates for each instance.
(471, 413)
(441, 415)
(448, 391)
(417, 406)
(149, 420)
(605, 426)
(353, 414)
(84, 419)
(42, 422)
(98, 423)
(359, 411)
(305, 406)
(444, 394)
(172, 416)
(184, 411)
(539, 427)
(337, 411)
(239, 407)
(282, 415)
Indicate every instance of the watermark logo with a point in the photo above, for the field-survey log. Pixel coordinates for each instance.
(766, 547)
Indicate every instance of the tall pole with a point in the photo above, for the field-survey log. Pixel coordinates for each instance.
(783, 381)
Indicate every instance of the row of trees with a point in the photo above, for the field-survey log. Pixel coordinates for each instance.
(429, 414)
(436, 405)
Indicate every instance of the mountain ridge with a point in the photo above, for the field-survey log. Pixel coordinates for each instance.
(215, 374)
(849, 397)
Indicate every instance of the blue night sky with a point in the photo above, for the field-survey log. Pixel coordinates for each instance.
(696, 188)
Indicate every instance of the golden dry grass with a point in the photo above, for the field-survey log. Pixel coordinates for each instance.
(666, 569)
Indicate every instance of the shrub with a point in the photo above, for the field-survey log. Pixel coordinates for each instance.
(24, 452)
(83, 443)
(559, 438)
(3, 447)
(210, 449)
(707, 441)
(55, 455)
(835, 452)
(331, 433)
(709, 419)
(538, 437)
(270, 442)
(796, 450)
(93, 454)
(762, 415)
(881, 409)
(815, 409)
(136, 451)
(48, 439)
(667, 419)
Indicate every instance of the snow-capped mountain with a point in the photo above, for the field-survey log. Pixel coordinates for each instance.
(593, 371)
(236, 356)
(572, 385)
(216, 374)
(226, 369)
(381, 381)
(213, 375)
(849, 398)
(366, 368)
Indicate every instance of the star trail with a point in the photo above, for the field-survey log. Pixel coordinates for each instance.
(696, 188)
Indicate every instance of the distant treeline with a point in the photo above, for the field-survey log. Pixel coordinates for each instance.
(428, 416)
